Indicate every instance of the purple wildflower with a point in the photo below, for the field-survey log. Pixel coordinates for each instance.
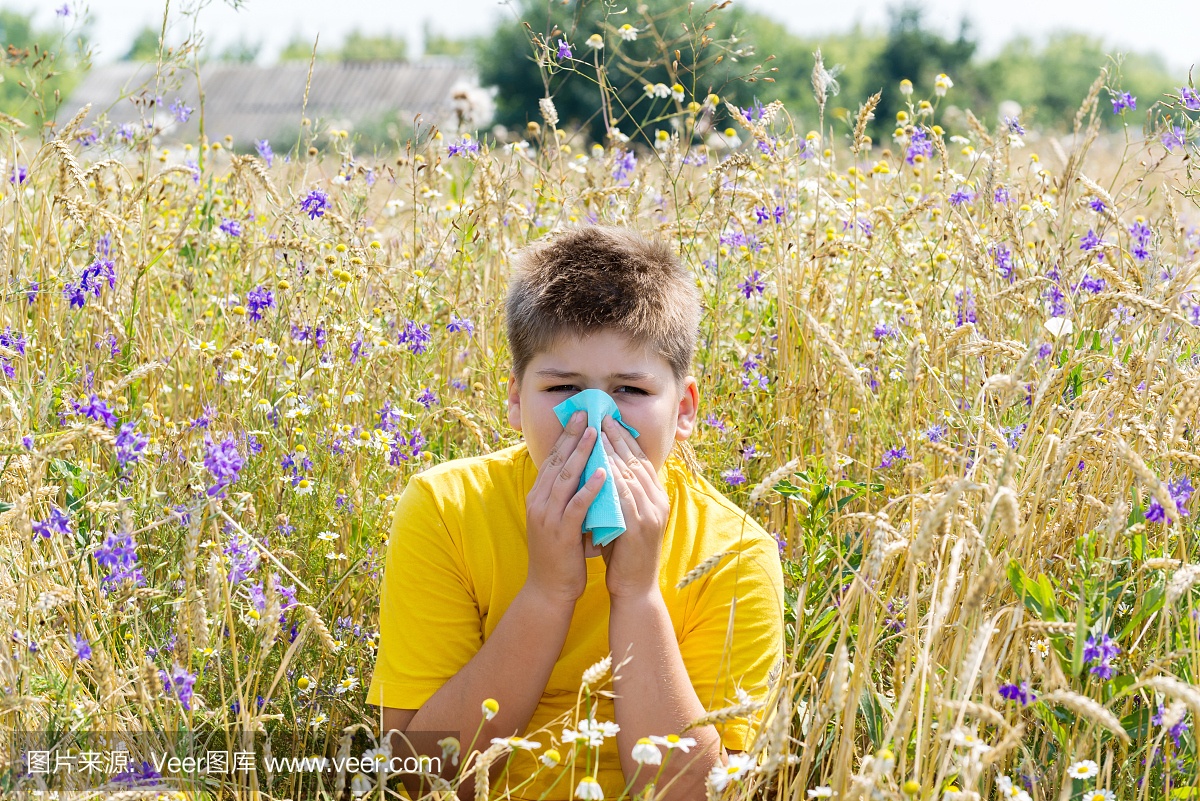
(357, 348)
(1189, 98)
(223, 461)
(427, 398)
(456, 324)
(1181, 490)
(13, 341)
(890, 457)
(231, 227)
(118, 555)
(734, 476)
(1012, 434)
(97, 410)
(1002, 257)
(1091, 284)
(464, 147)
(1014, 126)
(406, 447)
(936, 432)
(263, 147)
(966, 307)
(57, 523)
(1123, 101)
(1101, 652)
(314, 204)
(1090, 241)
(962, 195)
(18, 174)
(63, 11)
(564, 51)
(83, 651)
(1141, 235)
(243, 557)
(1175, 137)
(919, 146)
(180, 111)
(258, 299)
(416, 336)
(129, 445)
(1019, 693)
(179, 683)
(624, 162)
(1177, 730)
(884, 331)
(1057, 300)
(1002, 195)
(752, 285)
(1097, 205)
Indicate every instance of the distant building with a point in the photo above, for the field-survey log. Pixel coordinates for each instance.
(250, 102)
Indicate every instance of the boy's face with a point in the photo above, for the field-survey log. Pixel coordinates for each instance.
(639, 381)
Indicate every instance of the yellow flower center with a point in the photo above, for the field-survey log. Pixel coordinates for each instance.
(672, 738)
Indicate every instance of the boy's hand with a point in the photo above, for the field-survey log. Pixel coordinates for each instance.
(632, 558)
(554, 513)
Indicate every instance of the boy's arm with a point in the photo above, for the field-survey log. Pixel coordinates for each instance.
(512, 667)
(514, 664)
(655, 696)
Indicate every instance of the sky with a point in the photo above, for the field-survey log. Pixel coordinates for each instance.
(1167, 27)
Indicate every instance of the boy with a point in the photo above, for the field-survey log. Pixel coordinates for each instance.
(492, 591)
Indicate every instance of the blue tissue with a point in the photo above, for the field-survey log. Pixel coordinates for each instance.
(604, 518)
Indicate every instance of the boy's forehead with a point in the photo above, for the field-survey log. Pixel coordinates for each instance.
(601, 355)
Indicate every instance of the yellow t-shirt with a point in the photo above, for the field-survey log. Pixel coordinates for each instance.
(457, 556)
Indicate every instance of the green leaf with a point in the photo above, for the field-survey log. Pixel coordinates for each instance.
(787, 489)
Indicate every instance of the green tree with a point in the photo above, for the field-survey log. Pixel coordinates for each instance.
(242, 51)
(674, 45)
(913, 52)
(1052, 80)
(438, 44)
(361, 47)
(299, 48)
(144, 46)
(34, 84)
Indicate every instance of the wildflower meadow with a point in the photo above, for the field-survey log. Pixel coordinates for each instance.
(953, 371)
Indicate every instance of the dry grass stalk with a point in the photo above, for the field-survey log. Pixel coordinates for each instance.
(1085, 707)
(703, 569)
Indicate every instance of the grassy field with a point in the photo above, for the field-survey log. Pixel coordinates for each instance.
(955, 379)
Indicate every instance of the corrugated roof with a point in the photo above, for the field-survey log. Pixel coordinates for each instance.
(250, 102)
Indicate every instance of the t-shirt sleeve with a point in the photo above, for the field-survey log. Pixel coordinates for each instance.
(723, 651)
(429, 623)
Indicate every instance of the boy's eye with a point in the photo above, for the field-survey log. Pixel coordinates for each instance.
(573, 388)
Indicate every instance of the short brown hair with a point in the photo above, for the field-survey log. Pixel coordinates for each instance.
(593, 278)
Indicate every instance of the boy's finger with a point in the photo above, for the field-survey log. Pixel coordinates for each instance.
(637, 464)
(621, 478)
(576, 508)
(563, 448)
(566, 482)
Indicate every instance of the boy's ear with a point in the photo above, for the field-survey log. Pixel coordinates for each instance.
(514, 401)
(689, 409)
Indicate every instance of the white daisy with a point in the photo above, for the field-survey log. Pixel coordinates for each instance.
(673, 741)
(739, 765)
(821, 791)
(646, 752)
(360, 785)
(1100, 795)
(1083, 769)
(328, 536)
(516, 742)
(589, 789)
(346, 685)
